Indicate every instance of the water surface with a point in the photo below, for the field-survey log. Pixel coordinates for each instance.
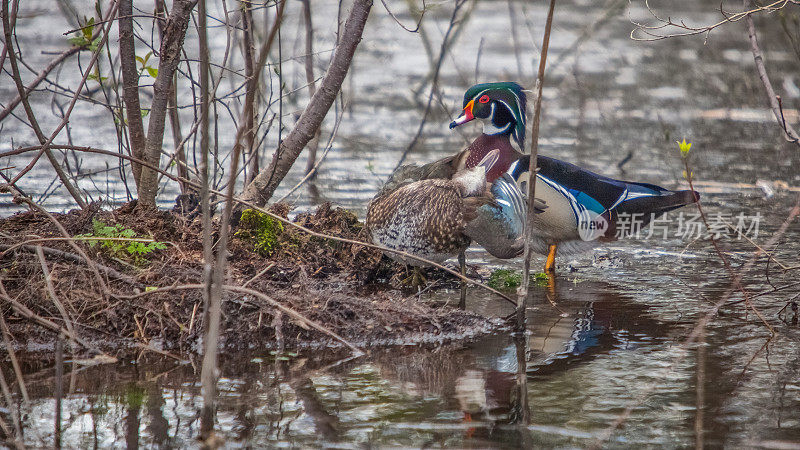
(615, 340)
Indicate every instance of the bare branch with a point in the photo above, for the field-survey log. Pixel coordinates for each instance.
(664, 27)
(169, 57)
(773, 100)
(260, 190)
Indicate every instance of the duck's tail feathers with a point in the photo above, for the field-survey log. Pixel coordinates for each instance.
(651, 201)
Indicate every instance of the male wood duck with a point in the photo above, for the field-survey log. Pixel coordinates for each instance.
(576, 209)
(498, 226)
(582, 207)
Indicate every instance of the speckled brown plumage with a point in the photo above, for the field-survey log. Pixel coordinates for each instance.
(425, 218)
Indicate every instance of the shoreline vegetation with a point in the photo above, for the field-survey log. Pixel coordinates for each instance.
(284, 289)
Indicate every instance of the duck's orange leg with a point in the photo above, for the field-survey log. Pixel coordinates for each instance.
(550, 265)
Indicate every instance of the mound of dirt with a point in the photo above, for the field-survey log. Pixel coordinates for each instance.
(140, 286)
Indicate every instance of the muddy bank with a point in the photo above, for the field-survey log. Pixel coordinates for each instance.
(138, 295)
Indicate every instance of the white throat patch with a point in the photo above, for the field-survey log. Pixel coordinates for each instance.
(488, 125)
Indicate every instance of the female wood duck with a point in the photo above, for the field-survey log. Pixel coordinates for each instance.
(427, 218)
(582, 207)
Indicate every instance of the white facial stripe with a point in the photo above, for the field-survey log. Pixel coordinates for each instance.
(488, 125)
(519, 108)
(509, 108)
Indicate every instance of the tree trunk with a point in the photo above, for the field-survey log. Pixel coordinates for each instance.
(260, 190)
(130, 86)
(312, 85)
(169, 57)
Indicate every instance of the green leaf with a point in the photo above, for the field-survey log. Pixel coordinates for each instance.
(141, 60)
(144, 112)
(88, 29)
(150, 288)
(152, 71)
(78, 41)
(97, 78)
(95, 44)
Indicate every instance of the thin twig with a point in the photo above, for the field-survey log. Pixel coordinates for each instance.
(537, 108)
(434, 82)
(789, 132)
(48, 281)
(391, 14)
(720, 253)
(243, 290)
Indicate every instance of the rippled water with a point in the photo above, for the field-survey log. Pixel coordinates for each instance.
(615, 340)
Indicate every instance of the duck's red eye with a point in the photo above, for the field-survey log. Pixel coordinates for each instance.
(484, 99)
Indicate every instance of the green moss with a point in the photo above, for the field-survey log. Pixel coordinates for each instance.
(261, 230)
(505, 279)
(502, 279)
(540, 279)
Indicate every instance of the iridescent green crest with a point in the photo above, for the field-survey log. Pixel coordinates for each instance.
(509, 94)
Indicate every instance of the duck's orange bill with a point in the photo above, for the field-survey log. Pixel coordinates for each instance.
(465, 117)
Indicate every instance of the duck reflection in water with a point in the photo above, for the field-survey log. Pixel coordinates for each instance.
(486, 382)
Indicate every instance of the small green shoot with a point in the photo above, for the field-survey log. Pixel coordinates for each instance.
(152, 71)
(121, 242)
(506, 279)
(83, 38)
(541, 279)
